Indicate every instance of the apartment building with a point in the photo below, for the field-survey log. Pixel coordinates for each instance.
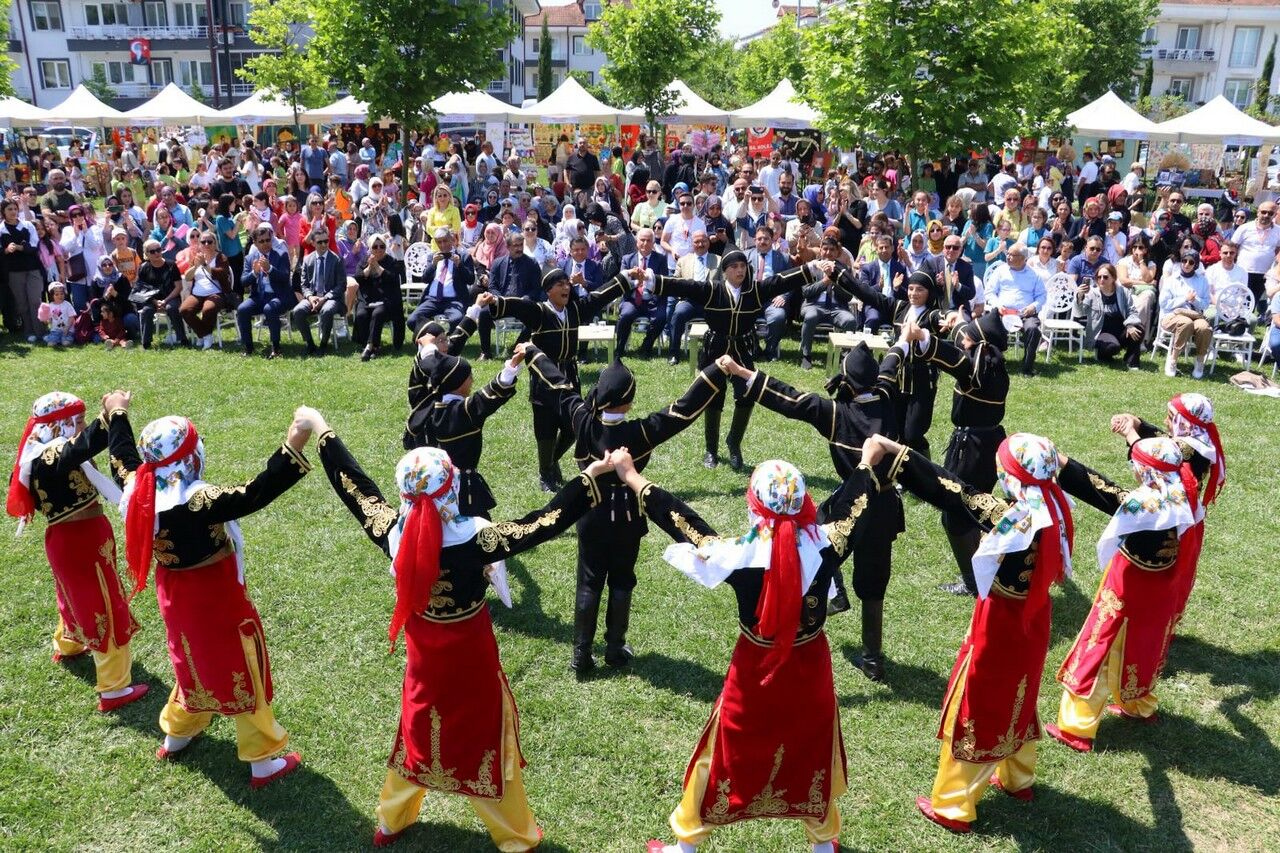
(567, 30)
(1204, 48)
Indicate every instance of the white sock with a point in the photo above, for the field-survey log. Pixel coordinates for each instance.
(175, 744)
(680, 847)
(262, 769)
(824, 847)
(116, 694)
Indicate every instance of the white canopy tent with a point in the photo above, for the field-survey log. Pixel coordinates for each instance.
(170, 106)
(343, 110)
(1109, 117)
(1219, 121)
(780, 108)
(692, 109)
(475, 106)
(81, 107)
(572, 104)
(20, 113)
(262, 107)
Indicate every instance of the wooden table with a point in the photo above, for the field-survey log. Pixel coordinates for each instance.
(848, 340)
(603, 334)
(697, 331)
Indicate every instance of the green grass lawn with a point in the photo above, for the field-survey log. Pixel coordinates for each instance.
(606, 757)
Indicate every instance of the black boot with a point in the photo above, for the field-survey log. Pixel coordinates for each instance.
(871, 661)
(840, 603)
(548, 471)
(711, 433)
(964, 544)
(585, 610)
(737, 429)
(616, 619)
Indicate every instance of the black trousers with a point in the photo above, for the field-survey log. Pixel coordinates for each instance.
(369, 323)
(608, 550)
(1030, 342)
(1108, 346)
(915, 410)
(971, 456)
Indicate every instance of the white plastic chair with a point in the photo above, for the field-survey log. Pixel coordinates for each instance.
(1235, 302)
(417, 258)
(1056, 322)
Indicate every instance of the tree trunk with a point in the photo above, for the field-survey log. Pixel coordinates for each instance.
(404, 157)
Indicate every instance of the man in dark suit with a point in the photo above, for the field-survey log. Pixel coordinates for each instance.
(698, 265)
(764, 261)
(582, 271)
(516, 275)
(825, 301)
(642, 304)
(886, 274)
(953, 276)
(448, 283)
(324, 287)
(267, 290)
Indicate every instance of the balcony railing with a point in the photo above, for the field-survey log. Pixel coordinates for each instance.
(147, 90)
(116, 33)
(1178, 55)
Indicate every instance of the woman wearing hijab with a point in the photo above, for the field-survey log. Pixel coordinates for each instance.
(772, 746)
(459, 728)
(864, 401)
(609, 536)
(719, 228)
(360, 185)
(471, 230)
(1147, 550)
(989, 718)
(813, 195)
(55, 463)
(190, 530)
(566, 230)
(492, 246)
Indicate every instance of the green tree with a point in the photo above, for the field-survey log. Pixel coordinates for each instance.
(290, 69)
(938, 77)
(1162, 107)
(196, 91)
(713, 75)
(768, 59)
(1262, 90)
(388, 52)
(1148, 78)
(599, 91)
(1110, 53)
(98, 84)
(545, 82)
(649, 43)
(7, 65)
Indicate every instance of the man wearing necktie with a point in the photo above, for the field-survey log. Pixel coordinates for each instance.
(695, 266)
(643, 304)
(582, 271)
(324, 287)
(955, 284)
(765, 262)
(825, 301)
(887, 275)
(266, 284)
(448, 283)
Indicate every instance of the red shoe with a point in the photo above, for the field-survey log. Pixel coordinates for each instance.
(1119, 711)
(925, 805)
(292, 762)
(654, 846)
(165, 755)
(1026, 795)
(1079, 744)
(382, 839)
(59, 657)
(136, 692)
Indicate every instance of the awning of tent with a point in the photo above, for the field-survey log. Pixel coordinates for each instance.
(572, 104)
(342, 111)
(20, 113)
(1108, 117)
(475, 106)
(780, 108)
(1219, 121)
(170, 106)
(81, 107)
(262, 107)
(692, 109)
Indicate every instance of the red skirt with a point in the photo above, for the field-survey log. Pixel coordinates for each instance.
(90, 598)
(1005, 662)
(454, 736)
(1137, 608)
(1193, 539)
(206, 612)
(772, 747)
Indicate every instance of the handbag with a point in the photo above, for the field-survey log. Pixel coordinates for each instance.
(76, 266)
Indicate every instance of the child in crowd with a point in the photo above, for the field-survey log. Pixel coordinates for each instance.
(59, 315)
(111, 329)
(289, 229)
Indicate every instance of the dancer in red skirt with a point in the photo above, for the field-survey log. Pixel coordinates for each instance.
(55, 463)
(189, 529)
(1189, 422)
(459, 728)
(989, 720)
(1146, 554)
(772, 747)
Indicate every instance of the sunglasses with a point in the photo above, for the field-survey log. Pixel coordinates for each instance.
(1103, 275)
(951, 248)
(652, 192)
(378, 247)
(321, 241)
(685, 204)
(153, 251)
(206, 242)
(530, 230)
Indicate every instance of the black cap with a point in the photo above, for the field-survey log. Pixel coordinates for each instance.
(988, 328)
(923, 279)
(595, 213)
(448, 373)
(616, 387)
(734, 256)
(858, 372)
(552, 276)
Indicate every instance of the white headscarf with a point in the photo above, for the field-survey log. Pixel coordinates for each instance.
(1158, 503)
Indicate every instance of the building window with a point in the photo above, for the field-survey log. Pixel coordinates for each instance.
(55, 74)
(1182, 87)
(591, 10)
(580, 47)
(155, 14)
(236, 15)
(190, 15)
(106, 14)
(46, 15)
(1188, 38)
(117, 73)
(161, 72)
(537, 44)
(1237, 92)
(1244, 47)
(195, 73)
(1149, 37)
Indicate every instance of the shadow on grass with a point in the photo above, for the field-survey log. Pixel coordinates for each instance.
(905, 681)
(528, 617)
(1061, 820)
(428, 836)
(677, 675)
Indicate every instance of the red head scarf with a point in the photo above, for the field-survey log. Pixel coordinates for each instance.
(140, 520)
(778, 611)
(417, 560)
(19, 503)
(1218, 471)
(1050, 558)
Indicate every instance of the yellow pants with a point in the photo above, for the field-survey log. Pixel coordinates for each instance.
(688, 826)
(1081, 716)
(960, 784)
(258, 735)
(114, 666)
(510, 822)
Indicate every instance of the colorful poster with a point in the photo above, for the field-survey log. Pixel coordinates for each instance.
(521, 143)
(630, 138)
(759, 141)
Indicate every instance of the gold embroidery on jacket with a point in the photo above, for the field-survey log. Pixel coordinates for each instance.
(687, 530)
(1106, 488)
(483, 785)
(500, 535)
(379, 517)
(162, 548)
(840, 531)
(204, 498)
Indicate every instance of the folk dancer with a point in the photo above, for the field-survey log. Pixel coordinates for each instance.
(609, 535)
(55, 464)
(458, 730)
(434, 342)
(190, 530)
(772, 746)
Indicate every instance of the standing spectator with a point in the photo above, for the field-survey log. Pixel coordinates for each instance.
(977, 231)
(881, 203)
(376, 208)
(158, 288)
(59, 200)
(1206, 229)
(921, 213)
(1239, 217)
(61, 317)
(323, 289)
(316, 217)
(338, 163)
(228, 181)
(230, 245)
(53, 259)
(24, 280)
(314, 160)
(582, 168)
(289, 229)
(1258, 241)
(677, 236)
(1184, 296)
(443, 213)
(82, 241)
(975, 181)
(1115, 241)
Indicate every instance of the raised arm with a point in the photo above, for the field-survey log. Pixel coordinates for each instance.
(91, 441)
(845, 520)
(491, 397)
(662, 425)
(1084, 484)
(950, 358)
(676, 518)
(508, 538)
(217, 504)
(123, 449)
(697, 292)
(786, 282)
(816, 410)
(935, 485)
(618, 287)
(522, 309)
(357, 492)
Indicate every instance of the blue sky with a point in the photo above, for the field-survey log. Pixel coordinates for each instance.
(737, 17)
